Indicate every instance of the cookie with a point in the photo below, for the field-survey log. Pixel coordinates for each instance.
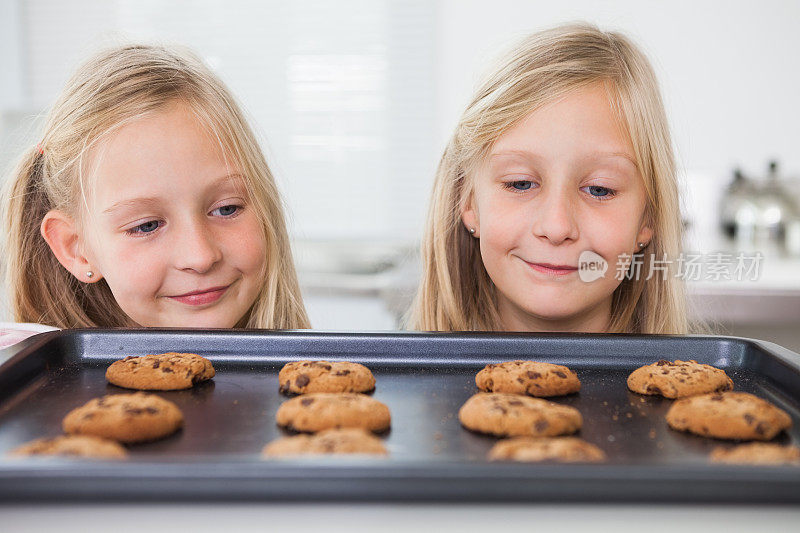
(757, 453)
(301, 377)
(166, 371)
(728, 415)
(528, 377)
(512, 415)
(678, 379)
(324, 410)
(133, 417)
(74, 446)
(559, 449)
(330, 441)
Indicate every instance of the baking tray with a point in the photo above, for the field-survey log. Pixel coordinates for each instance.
(424, 378)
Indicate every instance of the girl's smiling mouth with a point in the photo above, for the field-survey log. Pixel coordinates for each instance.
(202, 296)
(552, 270)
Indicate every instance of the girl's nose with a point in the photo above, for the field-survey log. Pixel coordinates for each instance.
(196, 248)
(554, 217)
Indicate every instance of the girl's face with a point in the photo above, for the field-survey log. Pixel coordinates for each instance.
(561, 182)
(170, 226)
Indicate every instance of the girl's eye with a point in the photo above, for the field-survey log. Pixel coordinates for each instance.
(226, 210)
(601, 193)
(520, 185)
(144, 228)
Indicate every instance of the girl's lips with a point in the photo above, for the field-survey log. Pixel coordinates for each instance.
(201, 297)
(551, 270)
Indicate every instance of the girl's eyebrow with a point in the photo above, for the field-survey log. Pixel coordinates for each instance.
(132, 202)
(598, 154)
(150, 201)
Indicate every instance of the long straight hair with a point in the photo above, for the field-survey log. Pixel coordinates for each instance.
(112, 89)
(455, 291)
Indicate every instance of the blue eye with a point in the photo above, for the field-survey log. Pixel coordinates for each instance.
(146, 227)
(520, 185)
(601, 192)
(226, 210)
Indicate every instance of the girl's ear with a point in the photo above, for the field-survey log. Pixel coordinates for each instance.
(644, 236)
(61, 234)
(469, 216)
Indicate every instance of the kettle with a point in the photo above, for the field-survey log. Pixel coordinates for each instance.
(757, 215)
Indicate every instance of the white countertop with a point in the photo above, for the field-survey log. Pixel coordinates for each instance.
(331, 517)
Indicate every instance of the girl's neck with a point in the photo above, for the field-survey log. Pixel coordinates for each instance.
(594, 320)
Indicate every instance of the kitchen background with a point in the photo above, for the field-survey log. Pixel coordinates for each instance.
(356, 99)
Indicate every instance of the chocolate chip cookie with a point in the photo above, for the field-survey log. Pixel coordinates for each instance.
(728, 415)
(504, 414)
(133, 417)
(166, 371)
(324, 410)
(558, 449)
(678, 379)
(757, 453)
(301, 377)
(528, 377)
(330, 441)
(74, 446)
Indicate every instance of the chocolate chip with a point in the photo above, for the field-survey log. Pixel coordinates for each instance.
(541, 425)
(514, 402)
(533, 375)
(302, 380)
(87, 416)
(500, 408)
(652, 389)
(167, 370)
(662, 362)
(151, 410)
(560, 374)
(129, 358)
(342, 373)
(520, 380)
(156, 363)
(307, 401)
(133, 411)
(761, 428)
(749, 418)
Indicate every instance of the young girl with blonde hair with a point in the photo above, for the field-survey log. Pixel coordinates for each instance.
(555, 205)
(148, 202)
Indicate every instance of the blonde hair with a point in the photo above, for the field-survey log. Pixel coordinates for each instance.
(113, 88)
(455, 292)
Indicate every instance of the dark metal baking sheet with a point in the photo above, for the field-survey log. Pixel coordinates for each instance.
(424, 379)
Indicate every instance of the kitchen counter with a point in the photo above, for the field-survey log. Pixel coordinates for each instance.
(330, 517)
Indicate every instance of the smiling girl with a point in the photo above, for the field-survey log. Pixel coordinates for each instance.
(148, 202)
(562, 159)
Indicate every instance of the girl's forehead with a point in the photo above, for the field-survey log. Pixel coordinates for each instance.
(165, 152)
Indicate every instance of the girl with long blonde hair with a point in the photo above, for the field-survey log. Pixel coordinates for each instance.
(555, 205)
(148, 202)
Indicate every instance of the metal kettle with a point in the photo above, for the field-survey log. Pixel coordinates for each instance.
(756, 215)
